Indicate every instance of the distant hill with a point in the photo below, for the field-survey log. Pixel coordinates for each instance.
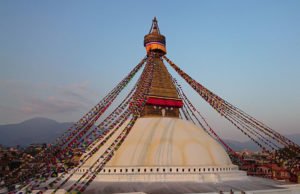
(36, 130)
(43, 130)
(249, 145)
(238, 146)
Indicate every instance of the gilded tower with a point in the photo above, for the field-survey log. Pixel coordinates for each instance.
(162, 99)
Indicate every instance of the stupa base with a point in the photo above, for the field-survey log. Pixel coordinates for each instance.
(251, 186)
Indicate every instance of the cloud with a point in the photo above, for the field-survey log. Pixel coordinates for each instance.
(51, 105)
(23, 100)
(79, 91)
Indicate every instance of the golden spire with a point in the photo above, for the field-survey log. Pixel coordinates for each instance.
(162, 99)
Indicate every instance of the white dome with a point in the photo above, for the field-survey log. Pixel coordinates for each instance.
(162, 141)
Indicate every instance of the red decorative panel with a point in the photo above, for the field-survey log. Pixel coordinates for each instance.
(164, 102)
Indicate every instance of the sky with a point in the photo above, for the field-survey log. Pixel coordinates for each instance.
(59, 58)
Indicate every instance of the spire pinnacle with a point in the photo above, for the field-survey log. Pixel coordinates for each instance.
(154, 27)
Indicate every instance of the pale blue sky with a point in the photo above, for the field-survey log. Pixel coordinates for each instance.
(58, 58)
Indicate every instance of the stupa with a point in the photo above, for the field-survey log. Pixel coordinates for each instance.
(163, 153)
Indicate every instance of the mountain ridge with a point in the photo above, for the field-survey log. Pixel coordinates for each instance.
(29, 131)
